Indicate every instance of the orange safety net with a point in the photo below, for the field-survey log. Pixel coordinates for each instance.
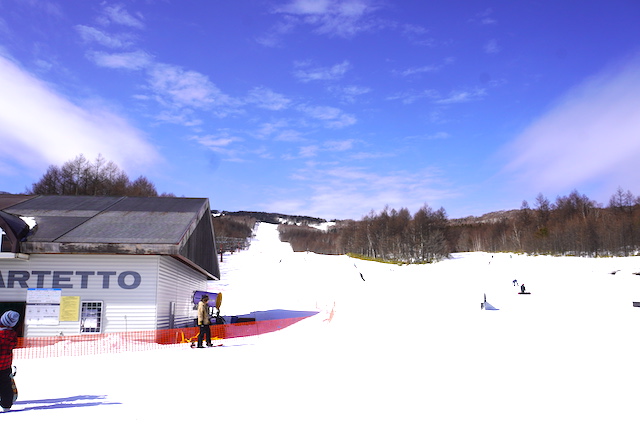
(116, 342)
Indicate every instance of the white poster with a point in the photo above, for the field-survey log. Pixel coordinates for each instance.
(43, 296)
(43, 306)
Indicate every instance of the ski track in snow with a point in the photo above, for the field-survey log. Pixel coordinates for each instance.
(406, 346)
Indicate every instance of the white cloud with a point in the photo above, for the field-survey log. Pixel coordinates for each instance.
(341, 145)
(309, 151)
(427, 68)
(170, 85)
(349, 93)
(462, 96)
(39, 127)
(289, 135)
(268, 99)
(332, 117)
(307, 7)
(91, 34)
(224, 144)
(184, 88)
(305, 73)
(420, 70)
(136, 60)
(216, 140)
(342, 18)
(410, 97)
(590, 137)
(356, 191)
(116, 14)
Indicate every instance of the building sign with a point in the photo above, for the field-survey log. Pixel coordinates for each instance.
(69, 279)
(43, 306)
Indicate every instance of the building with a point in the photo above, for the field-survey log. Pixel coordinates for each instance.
(85, 265)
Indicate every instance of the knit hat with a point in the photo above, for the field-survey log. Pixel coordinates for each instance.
(10, 318)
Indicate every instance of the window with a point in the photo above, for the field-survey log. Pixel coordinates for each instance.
(91, 317)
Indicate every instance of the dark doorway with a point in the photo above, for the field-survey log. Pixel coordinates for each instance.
(20, 307)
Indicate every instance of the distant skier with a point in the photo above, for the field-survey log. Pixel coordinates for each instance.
(522, 289)
(515, 282)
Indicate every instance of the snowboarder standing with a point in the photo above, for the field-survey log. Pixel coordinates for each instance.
(8, 341)
(204, 322)
(522, 289)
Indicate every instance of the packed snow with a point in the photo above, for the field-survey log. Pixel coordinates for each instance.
(391, 345)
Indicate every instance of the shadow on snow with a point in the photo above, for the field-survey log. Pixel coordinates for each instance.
(64, 402)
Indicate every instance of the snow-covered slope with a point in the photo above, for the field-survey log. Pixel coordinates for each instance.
(390, 345)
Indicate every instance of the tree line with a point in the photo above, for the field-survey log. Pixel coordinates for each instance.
(572, 225)
(390, 235)
(80, 177)
(233, 232)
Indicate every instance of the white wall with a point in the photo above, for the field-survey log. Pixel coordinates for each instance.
(177, 283)
(145, 307)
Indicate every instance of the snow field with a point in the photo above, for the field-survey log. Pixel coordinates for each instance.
(406, 346)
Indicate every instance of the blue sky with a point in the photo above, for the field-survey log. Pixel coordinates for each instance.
(328, 108)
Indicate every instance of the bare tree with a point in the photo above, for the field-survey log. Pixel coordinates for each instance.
(100, 178)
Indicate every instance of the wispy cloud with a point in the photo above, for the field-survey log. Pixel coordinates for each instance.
(136, 60)
(224, 143)
(331, 117)
(178, 91)
(307, 73)
(64, 129)
(183, 87)
(454, 97)
(313, 150)
(492, 47)
(461, 96)
(354, 191)
(591, 137)
(274, 36)
(117, 14)
(426, 68)
(340, 18)
(96, 35)
(222, 140)
(340, 145)
(485, 17)
(350, 93)
(268, 99)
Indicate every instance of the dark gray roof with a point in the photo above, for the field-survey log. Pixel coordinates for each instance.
(179, 227)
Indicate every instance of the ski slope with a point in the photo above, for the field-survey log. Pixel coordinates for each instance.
(390, 345)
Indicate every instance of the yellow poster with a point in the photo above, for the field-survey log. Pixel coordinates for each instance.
(69, 309)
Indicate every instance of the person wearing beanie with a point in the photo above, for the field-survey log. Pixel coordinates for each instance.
(204, 322)
(8, 341)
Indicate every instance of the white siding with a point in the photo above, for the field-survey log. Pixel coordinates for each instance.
(124, 309)
(176, 284)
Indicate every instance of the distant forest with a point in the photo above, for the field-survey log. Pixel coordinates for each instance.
(233, 232)
(572, 225)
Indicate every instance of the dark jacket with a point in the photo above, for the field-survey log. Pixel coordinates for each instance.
(8, 341)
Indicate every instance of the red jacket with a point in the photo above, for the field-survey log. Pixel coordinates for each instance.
(8, 341)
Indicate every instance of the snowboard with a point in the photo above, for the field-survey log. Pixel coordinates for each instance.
(14, 387)
(195, 345)
(524, 293)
